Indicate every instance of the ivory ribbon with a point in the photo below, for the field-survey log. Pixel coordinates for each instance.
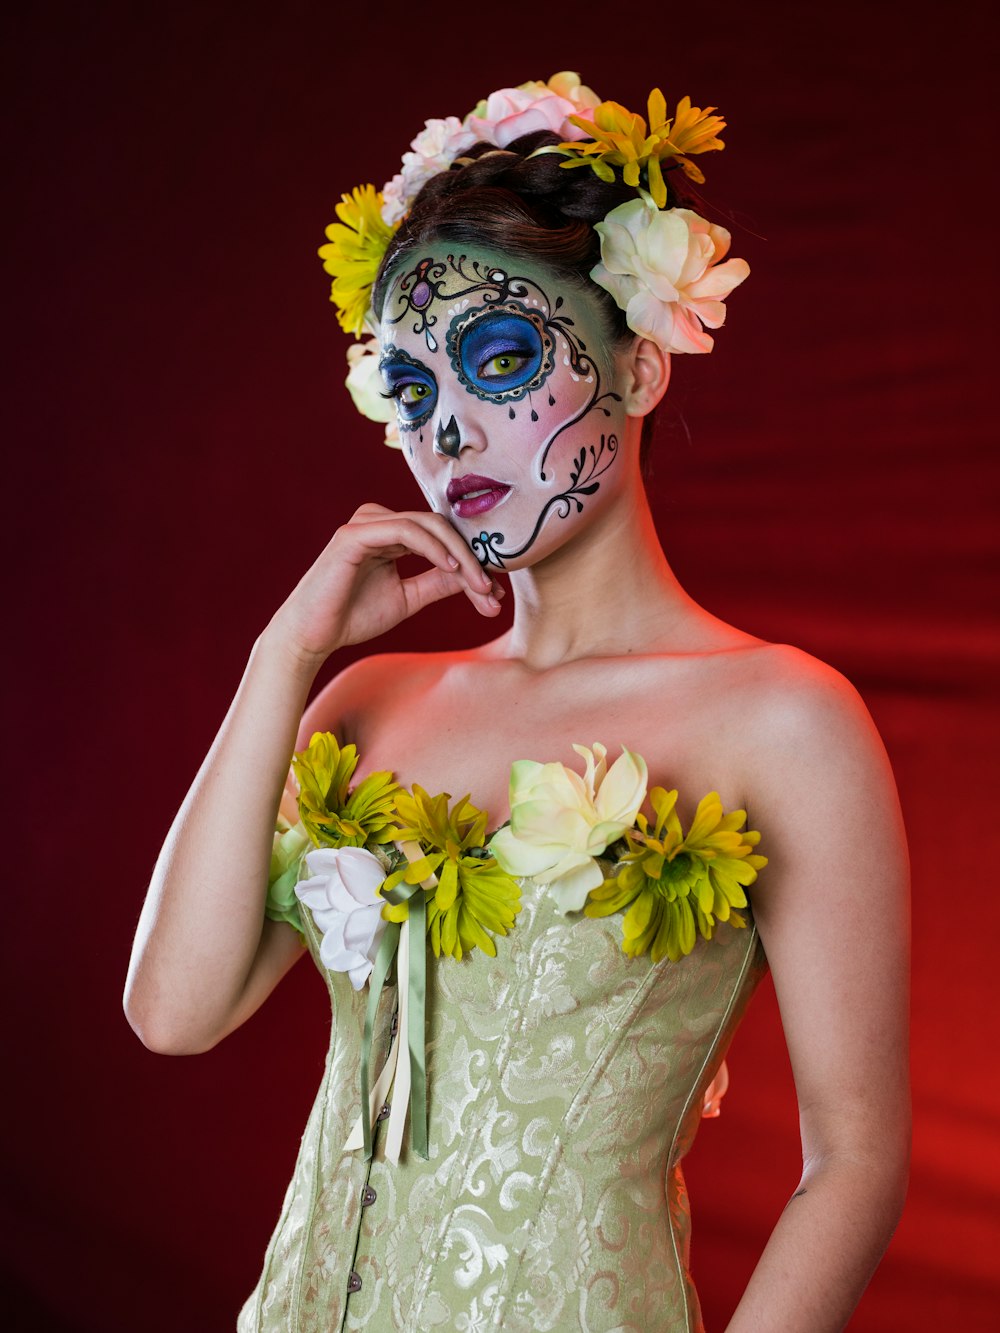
(405, 1069)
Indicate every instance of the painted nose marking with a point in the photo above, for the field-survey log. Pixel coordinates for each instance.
(448, 441)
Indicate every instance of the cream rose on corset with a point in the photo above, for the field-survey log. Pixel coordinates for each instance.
(663, 269)
(561, 820)
(366, 387)
(342, 894)
(511, 112)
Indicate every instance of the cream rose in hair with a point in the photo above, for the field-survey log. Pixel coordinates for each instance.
(561, 820)
(663, 268)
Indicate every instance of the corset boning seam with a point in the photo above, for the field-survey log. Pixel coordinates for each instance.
(709, 1055)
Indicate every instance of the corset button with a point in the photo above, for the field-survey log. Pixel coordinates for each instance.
(353, 1283)
(394, 1026)
(368, 1197)
(384, 1113)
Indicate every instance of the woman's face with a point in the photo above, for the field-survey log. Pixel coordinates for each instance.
(507, 413)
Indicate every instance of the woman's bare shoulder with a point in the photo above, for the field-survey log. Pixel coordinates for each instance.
(372, 681)
(793, 696)
(811, 749)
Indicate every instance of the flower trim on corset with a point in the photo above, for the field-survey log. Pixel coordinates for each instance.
(383, 870)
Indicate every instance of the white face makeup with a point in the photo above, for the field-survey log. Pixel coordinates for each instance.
(507, 418)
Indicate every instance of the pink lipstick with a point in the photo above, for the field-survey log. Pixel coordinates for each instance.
(472, 495)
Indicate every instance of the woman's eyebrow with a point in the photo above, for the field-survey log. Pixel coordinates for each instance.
(392, 360)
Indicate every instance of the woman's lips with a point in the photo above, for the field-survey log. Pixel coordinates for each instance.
(472, 495)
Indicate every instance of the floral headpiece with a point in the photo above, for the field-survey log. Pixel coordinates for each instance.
(664, 266)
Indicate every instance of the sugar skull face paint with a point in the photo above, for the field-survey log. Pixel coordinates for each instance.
(507, 417)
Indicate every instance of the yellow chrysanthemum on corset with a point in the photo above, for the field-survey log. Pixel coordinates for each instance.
(356, 246)
(678, 887)
(473, 894)
(621, 139)
(332, 815)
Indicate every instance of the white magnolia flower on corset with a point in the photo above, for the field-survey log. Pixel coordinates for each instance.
(342, 894)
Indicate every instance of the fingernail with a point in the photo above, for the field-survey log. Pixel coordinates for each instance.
(498, 591)
(452, 562)
(494, 603)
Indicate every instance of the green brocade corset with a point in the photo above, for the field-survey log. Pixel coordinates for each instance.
(565, 1084)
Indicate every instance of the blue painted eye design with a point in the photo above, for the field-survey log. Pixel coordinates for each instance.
(411, 385)
(501, 353)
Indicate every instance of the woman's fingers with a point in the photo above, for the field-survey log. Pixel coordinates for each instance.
(354, 591)
(433, 585)
(396, 535)
(422, 533)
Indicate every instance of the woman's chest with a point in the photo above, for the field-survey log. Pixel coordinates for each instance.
(460, 731)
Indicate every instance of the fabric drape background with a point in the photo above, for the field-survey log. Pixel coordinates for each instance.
(180, 447)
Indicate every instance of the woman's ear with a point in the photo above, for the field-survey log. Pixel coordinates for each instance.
(647, 374)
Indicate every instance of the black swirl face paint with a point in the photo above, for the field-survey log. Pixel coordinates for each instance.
(510, 425)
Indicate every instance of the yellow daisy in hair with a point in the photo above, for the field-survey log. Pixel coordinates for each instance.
(621, 139)
(333, 815)
(678, 887)
(356, 246)
(473, 894)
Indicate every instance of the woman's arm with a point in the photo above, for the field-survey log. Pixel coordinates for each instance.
(204, 956)
(832, 907)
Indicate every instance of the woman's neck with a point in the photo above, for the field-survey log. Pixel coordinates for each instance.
(609, 592)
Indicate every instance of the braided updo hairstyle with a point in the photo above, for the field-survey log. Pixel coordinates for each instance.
(528, 207)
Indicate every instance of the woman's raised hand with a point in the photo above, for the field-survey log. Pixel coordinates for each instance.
(203, 962)
(354, 592)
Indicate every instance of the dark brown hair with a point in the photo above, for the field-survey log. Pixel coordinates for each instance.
(528, 207)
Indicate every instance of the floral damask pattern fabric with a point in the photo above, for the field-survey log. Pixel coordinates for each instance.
(566, 1084)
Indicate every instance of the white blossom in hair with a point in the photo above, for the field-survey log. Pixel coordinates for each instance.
(432, 151)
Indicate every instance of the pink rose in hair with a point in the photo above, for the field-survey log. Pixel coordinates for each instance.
(511, 112)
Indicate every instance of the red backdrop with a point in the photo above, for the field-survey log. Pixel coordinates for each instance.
(182, 447)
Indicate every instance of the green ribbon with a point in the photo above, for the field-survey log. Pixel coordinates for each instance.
(416, 1026)
(415, 1035)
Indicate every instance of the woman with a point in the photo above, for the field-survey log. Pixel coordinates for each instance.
(528, 1023)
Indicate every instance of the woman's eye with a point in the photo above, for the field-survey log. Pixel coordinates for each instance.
(410, 385)
(506, 363)
(498, 353)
